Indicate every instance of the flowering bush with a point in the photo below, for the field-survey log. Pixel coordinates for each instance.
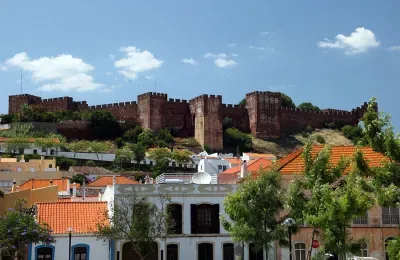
(18, 228)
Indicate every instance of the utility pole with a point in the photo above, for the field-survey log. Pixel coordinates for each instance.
(21, 81)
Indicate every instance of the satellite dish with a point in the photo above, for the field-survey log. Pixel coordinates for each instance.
(201, 178)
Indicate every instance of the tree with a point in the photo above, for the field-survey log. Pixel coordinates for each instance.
(1, 194)
(99, 147)
(242, 102)
(78, 147)
(24, 114)
(165, 135)
(139, 152)
(181, 156)
(136, 220)
(132, 134)
(328, 203)
(308, 106)
(123, 155)
(90, 163)
(146, 138)
(254, 211)
(7, 119)
(234, 138)
(286, 101)
(17, 145)
(353, 133)
(227, 123)
(45, 144)
(119, 142)
(161, 158)
(18, 228)
(79, 178)
(103, 124)
(65, 162)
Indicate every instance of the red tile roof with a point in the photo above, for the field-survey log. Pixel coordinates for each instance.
(41, 183)
(252, 166)
(81, 216)
(262, 155)
(233, 160)
(294, 162)
(107, 180)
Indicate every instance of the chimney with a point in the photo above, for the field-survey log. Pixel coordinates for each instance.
(51, 182)
(58, 168)
(100, 196)
(73, 190)
(147, 179)
(22, 158)
(14, 187)
(243, 169)
(68, 185)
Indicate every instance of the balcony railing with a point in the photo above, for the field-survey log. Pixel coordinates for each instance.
(388, 219)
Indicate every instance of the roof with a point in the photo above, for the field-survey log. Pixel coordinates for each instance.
(81, 216)
(90, 170)
(108, 180)
(294, 162)
(262, 155)
(29, 140)
(252, 166)
(233, 160)
(41, 183)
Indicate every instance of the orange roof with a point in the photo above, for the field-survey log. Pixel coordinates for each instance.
(294, 162)
(29, 140)
(107, 180)
(233, 160)
(41, 183)
(81, 216)
(252, 166)
(261, 155)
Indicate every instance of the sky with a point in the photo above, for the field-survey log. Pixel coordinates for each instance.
(335, 54)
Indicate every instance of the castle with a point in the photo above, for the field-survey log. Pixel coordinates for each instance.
(202, 117)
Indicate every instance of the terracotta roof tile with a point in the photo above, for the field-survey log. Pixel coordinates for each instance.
(294, 162)
(233, 160)
(41, 183)
(90, 170)
(107, 180)
(252, 166)
(262, 155)
(81, 216)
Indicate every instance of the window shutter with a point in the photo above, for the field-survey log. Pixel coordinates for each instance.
(193, 217)
(215, 219)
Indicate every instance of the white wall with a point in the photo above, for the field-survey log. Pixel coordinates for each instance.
(99, 250)
(211, 166)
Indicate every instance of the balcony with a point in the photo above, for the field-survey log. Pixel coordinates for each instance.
(390, 219)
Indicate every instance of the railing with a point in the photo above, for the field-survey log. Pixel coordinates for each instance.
(365, 221)
(388, 219)
(184, 178)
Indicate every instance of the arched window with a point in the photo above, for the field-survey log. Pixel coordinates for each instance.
(364, 249)
(44, 253)
(176, 213)
(172, 252)
(255, 254)
(228, 251)
(300, 251)
(205, 251)
(80, 252)
(205, 219)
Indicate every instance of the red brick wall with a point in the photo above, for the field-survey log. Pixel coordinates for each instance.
(15, 102)
(152, 110)
(56, 104)
(123, 111)
(239, 116)
(178, 117)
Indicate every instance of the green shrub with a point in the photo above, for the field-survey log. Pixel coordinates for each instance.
(309, 129)
(90, 163)
(119, 142)
(64, 163)
(207, 148)
(132, 134)
(308, 106)
(234, 138)
(305, 134)
(352, 132)
(7, 119)
(320, 139)
(164, 136)
(190, 142)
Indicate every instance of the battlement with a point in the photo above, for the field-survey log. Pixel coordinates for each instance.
(120, 104)
(25, 95)
(80, 102)
(171, 100)
(56, 99)
(231, 106)
(267, 93)
(205, 96)
(152, 94)
(325, 112)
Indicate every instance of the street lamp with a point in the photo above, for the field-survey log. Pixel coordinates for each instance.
(289, 222)
(69, 230)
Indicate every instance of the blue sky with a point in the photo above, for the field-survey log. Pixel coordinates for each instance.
(336, 54)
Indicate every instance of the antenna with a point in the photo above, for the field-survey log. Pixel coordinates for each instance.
(155, 86)
(21, 82)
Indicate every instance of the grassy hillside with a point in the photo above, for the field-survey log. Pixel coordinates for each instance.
(287, 144)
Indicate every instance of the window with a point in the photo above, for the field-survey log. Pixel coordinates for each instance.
(44, 253)
(205, 219)
(361, 220)
(176, 214)
(364, 249)
(205, 251)
(50, 165)
(173, 164)
(224, 168)
(390, 216)
(255, 254)
(151, 163)
(300, 251)
(219, 167)
(228, 251)
(34, 151)
(7, 183)
(172, 252)
(80, 252)
(52, 152)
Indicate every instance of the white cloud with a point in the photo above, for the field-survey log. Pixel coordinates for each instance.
(111, 56)
(224, 63)
(190, 61)
(264, 33)
(3, 68)
(359, 41)
(261, 48)
(108, 73)
(232, 45)
(234, 55)
(394, 48)
(63, 72)
(215, 55)
(136, 61)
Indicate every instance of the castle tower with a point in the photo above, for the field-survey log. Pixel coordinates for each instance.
(264, 113)
(207, 112)
(152, 112)
(15, 102)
